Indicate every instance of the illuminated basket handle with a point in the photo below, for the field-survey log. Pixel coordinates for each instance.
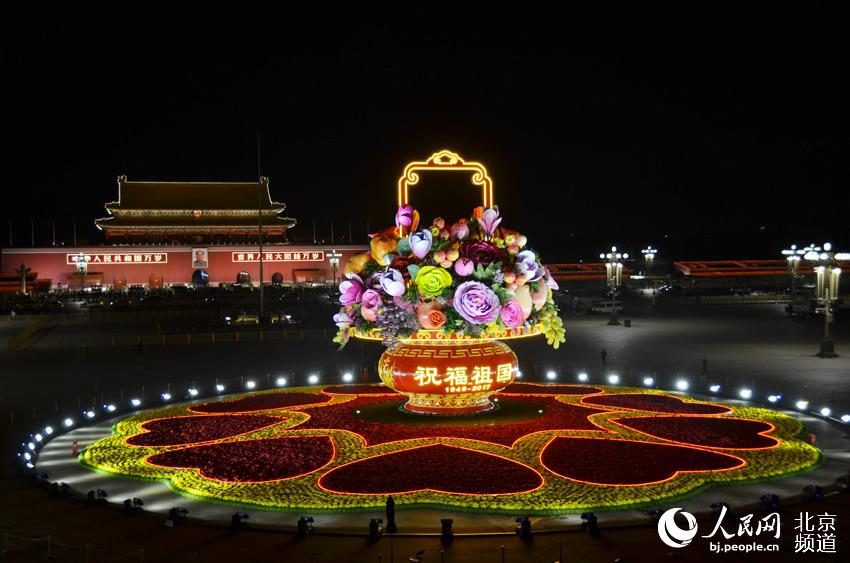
(445, 161)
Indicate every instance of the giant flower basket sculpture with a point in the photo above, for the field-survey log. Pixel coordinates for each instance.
(442, 297)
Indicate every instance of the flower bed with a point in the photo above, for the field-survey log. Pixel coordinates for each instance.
(543, 389)
(312, 451)
(438, 468)
(359, 389)
(725, 433)
(654, 403)
(194, 429)
(556, 416)
(262, 402)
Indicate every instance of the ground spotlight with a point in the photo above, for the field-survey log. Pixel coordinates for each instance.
(250, 384)
(347, 377)
(845, 418)
(648, 381)
(774, 398)
(582, 376)
(135, 402)
(518, 374)
(219, 387)
(802, 405)
(48, 430)
(280, 381)
(614, 379)
(89, 414)
(826, 411)
(746, 393)
(313, 379)
(31, 446)
(551, 375)
(682, 385)
(38, 437)
(714, 388)
(193, 392)
(166, 396)
(110, 407)
(68, 422)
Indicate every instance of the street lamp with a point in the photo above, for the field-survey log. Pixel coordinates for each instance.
(828, 273)
(23, 271)
(82, 261)
(794, 255)
(333, 258)
(614, 276)
(649, 256)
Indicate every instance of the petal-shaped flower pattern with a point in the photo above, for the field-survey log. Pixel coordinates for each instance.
(654, 403)
(269, 459)
(262, 402)
(439, 467)
(625, 462)
(359, 389)
(725, 433)
(183, 430)
(550, 389)
(556, 415)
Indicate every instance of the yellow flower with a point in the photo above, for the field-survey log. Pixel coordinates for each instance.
(432, 280)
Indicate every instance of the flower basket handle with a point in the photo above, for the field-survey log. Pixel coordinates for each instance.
(445, 161)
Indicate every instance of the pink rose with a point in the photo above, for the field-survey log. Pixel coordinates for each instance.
(511, 313)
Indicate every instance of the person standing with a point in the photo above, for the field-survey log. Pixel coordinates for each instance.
(604, 355)
(391, 527)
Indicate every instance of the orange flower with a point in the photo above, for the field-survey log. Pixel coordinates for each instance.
(431, 316)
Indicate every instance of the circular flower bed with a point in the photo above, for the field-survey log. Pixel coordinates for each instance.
(548, 449)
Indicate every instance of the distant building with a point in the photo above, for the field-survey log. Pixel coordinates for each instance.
(163, 233)
(207, 213)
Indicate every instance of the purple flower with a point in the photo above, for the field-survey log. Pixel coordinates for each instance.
(344, 318)
(526, 263)
(420, 243)
(511, 314)
(392, 282)
(404, 216)
(476, 303)
(464, 267)
(550, 281)
(351, 289)
(490, 220)
(460, 231)
(481, 252)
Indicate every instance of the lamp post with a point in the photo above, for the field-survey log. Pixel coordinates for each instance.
(82, 261)
(649, 257)
(794, 255)
(23, 271)
(333, 258)
(614, 277)
(828, 276)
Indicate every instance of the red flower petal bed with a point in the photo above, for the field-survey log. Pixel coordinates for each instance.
(727, 433)
(252, 460)
(359, 389)
(556, 416)
(654, 403)
(622, 462)
(191, 429)
(262, 402)
(533, 388)
(439, 467)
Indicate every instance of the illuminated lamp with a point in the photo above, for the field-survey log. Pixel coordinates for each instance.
(551, 375)
(313, 379)
(614, 379)
(682, 385)
(648, 381)
(582, 377)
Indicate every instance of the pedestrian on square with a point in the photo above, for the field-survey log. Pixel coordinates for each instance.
(74, 449)
(604, 357)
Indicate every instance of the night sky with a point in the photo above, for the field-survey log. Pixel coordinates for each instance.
(707, 135)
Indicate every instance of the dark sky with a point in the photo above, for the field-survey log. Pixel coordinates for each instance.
(704, 134)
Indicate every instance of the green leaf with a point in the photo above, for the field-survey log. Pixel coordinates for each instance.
(414, 271)
(404, 246)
